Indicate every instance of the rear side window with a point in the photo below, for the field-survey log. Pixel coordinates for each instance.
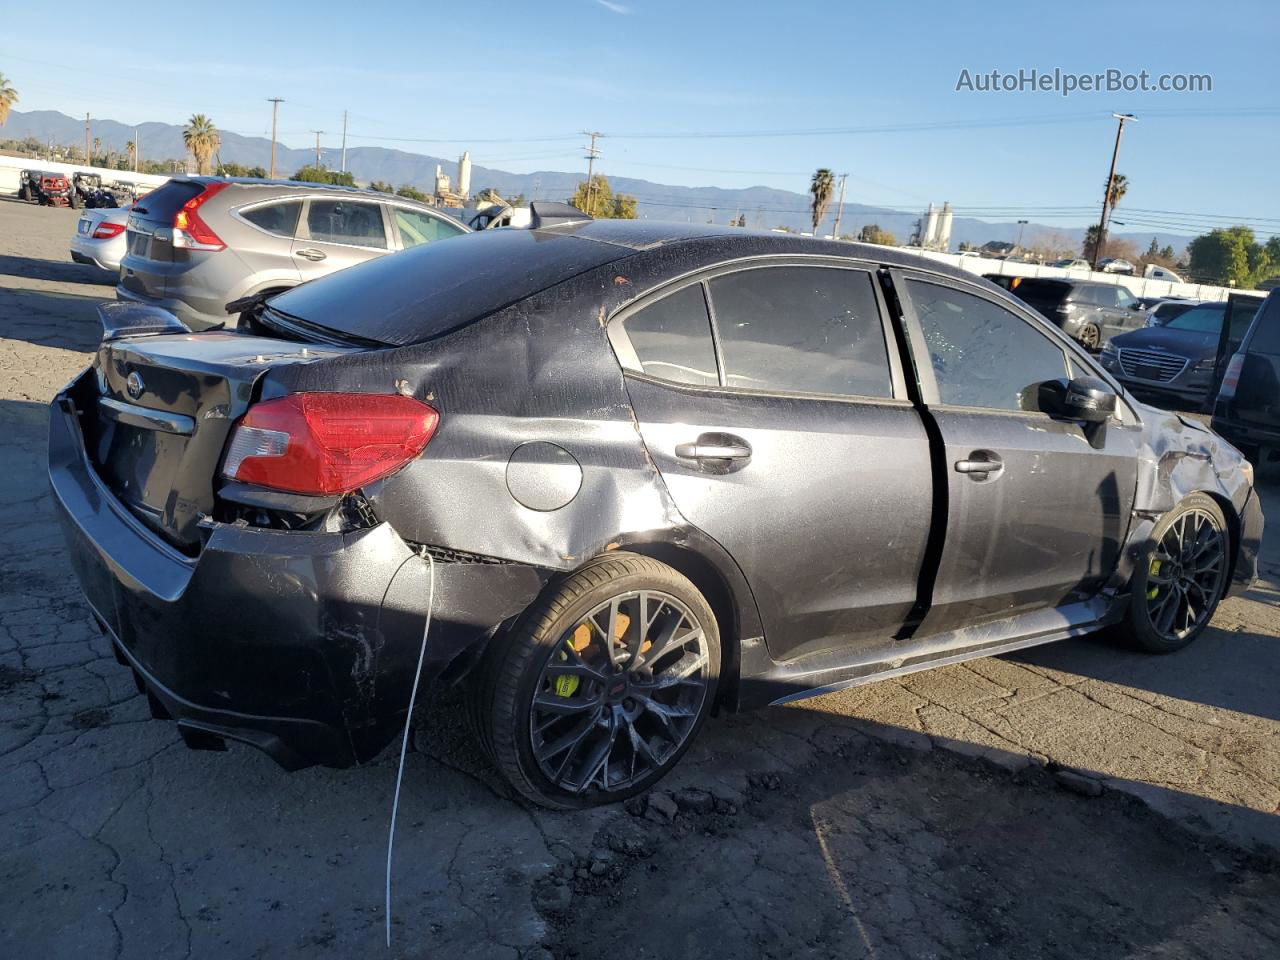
(417, 228)
(802, 330)
(280, 219)
(672, 338)
(346, 221)
(983, 355)
(1266, 328)
(164, 202)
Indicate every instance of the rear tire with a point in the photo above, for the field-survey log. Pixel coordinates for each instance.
(572, 721)
(1090, 336)
(1180, 578)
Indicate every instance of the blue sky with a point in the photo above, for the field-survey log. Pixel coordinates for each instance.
(531, 73)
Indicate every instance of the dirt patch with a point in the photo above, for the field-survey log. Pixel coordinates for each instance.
(876, 851)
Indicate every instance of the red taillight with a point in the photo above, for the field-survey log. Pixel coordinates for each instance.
(1231, 379)
(327, 443)
(189, 231)
(106, 231)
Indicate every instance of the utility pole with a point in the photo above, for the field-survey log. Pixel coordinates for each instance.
(317, 133)
(592, 154)
(1021, 224)
(137, 150)
(275, 109)
(835, 233)
(88, 162)
(1106, 197)
(344, 141)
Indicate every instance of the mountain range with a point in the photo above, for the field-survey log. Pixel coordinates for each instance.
(763, 206)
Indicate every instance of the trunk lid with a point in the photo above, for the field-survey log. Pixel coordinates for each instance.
(165, 409)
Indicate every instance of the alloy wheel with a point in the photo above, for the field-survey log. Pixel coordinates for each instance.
(1090, 336)
(620, 693)
(1188, 567)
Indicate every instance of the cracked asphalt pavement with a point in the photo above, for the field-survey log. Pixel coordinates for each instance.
(1077, 800)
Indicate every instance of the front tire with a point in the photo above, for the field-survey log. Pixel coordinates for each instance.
(1181, 576)
(602, 685)
(1090, 336)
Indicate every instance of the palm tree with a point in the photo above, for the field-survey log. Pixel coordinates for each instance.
(1119, 185)
(97, 150)
(202, 139)
(131, 152)
(8, 97)
(823, 185)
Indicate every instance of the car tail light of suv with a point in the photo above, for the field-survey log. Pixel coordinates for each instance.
(189, 231)
(327, 443)
(1231, 378)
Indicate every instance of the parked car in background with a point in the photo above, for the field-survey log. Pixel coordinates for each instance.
(99, 238)
(47, 189)
(1177, 364)
(1116, 265)
(1247, 410)
(196, 244)
(1072, 263)
(626, 473)
(1161, 311)
(1090, 312)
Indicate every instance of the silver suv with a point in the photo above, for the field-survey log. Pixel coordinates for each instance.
(199, 243)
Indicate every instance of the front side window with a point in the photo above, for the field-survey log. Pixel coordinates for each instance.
(982, 354)
(280, 219)
(802, 330)
(1206, 318)
(346, 221)
(672, 338)
(417, 227)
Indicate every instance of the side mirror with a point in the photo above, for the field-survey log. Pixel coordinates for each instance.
(1086, 399)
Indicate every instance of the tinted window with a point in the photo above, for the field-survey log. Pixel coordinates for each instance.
(1266, 332)
(167, 199)
(672, 338)
(1097, 296)
(346, 221)
(278, 218)
(803, 330)
(983, 355)
(1206, 318)
(1124, 298)
(417, 228)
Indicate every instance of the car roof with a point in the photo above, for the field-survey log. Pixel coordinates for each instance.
(322, 187)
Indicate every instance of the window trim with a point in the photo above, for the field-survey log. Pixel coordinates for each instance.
(629, 360)
(304, 225)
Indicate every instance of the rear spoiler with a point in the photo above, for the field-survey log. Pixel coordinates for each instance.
(123, 319)
(545, 213)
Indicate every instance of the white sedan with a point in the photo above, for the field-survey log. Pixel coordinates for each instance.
(100, 237)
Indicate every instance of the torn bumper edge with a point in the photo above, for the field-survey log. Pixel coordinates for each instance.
(301, 644)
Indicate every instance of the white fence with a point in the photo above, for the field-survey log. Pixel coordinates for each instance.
(1138, 286)
(11, 167)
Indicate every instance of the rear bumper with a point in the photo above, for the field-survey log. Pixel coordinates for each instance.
(301, 644)
(86, 252)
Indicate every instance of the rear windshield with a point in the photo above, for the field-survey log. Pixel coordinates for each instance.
(166, 200)
(431, 289)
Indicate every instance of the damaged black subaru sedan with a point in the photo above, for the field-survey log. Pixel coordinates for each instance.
(631, 473)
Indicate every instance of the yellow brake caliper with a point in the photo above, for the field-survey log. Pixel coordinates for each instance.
(567, 685)
(1155, 572)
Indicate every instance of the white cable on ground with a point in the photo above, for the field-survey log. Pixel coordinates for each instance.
(404, 744)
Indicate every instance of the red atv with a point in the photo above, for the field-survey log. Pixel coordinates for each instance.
(47, 189)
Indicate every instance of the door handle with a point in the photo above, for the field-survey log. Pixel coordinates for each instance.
(980, 464)
(723, 450)
(310, 253)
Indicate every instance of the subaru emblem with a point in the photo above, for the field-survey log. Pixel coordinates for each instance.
(134, 385)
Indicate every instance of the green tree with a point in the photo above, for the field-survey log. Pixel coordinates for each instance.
(313, 174)
(240, 170)
(1119, 187)
(1231, 257)
(824, 182)
(1090, 241)
(411, 193)
(381, 186)
(603, 204)
(872, 233)
(202, 139)
(8, 97)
